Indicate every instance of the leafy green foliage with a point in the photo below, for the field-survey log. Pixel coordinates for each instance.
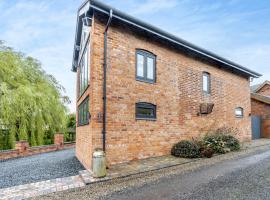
(216, 143)
(70, 132)
(222, 140)
(31, 101)
(186, 149)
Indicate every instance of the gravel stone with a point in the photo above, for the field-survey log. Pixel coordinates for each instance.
(40, 167)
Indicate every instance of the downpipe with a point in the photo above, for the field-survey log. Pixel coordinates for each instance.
(105, 82)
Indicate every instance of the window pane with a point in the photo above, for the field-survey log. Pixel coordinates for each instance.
(145, 111)
(140, 61)
(150, 68)
(83, 111)
(205, 83)
(85, 70)
(239, 112)
(86, 66)
(81, 78)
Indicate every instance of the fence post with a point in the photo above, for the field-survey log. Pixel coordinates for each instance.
(22, 147)
(59, 140)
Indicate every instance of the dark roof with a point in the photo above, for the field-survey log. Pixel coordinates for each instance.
(125, 18)
(260, 98)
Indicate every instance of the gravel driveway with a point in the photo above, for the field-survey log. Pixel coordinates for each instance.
(39, 167)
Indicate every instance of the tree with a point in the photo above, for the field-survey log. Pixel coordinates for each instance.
(31, 101)
(70, 127)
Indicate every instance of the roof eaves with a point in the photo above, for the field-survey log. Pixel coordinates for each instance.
(99, 6)
(260, 98)
(261, 86)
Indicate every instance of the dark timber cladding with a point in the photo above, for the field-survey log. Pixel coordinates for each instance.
(200, 52)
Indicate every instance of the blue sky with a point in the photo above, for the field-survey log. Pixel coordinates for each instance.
(236, 29)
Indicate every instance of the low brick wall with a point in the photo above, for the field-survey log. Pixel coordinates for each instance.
(22, 148)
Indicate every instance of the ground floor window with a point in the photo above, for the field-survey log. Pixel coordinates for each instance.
(239, 112)
(145, 110)
(83, 112)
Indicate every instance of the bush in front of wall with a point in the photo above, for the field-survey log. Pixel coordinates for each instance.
(207, 153)
(222, 141)
(215, 143)
(186, 149)
(231, 142)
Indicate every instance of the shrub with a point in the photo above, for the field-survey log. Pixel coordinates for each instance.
(215, 143)
(186, 149)
(208, 153)
(231, 142)
(221, 141)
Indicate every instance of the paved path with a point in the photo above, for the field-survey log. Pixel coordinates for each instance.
(245, 178)
(40, 167)
(41, 188)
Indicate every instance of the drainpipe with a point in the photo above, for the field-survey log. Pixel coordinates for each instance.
(104, 81)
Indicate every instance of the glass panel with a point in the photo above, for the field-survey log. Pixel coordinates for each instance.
(86, 66)
(205, 83)
(238, 112)
(150, 68)
(140, 60)
(81, 78)
(83, 111)
(147, 112)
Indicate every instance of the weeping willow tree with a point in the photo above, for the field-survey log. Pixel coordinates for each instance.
(31, 101)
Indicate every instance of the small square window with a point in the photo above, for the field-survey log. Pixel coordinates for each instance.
(239, 112)
(145, 111)
(145, 66)
(206, 83)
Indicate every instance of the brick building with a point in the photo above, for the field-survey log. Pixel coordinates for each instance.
(141, 89)
(260, 100)
(260, 110)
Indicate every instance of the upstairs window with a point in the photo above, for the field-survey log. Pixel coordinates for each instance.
(239, 112)
(145, 66)
(83, 112)
(84, 36)
(206, 83)
(145, 111)
(84, 72)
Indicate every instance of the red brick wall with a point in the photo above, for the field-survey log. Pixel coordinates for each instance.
(265, 90)
(260, 108)
(177, 94)
(22, 148)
